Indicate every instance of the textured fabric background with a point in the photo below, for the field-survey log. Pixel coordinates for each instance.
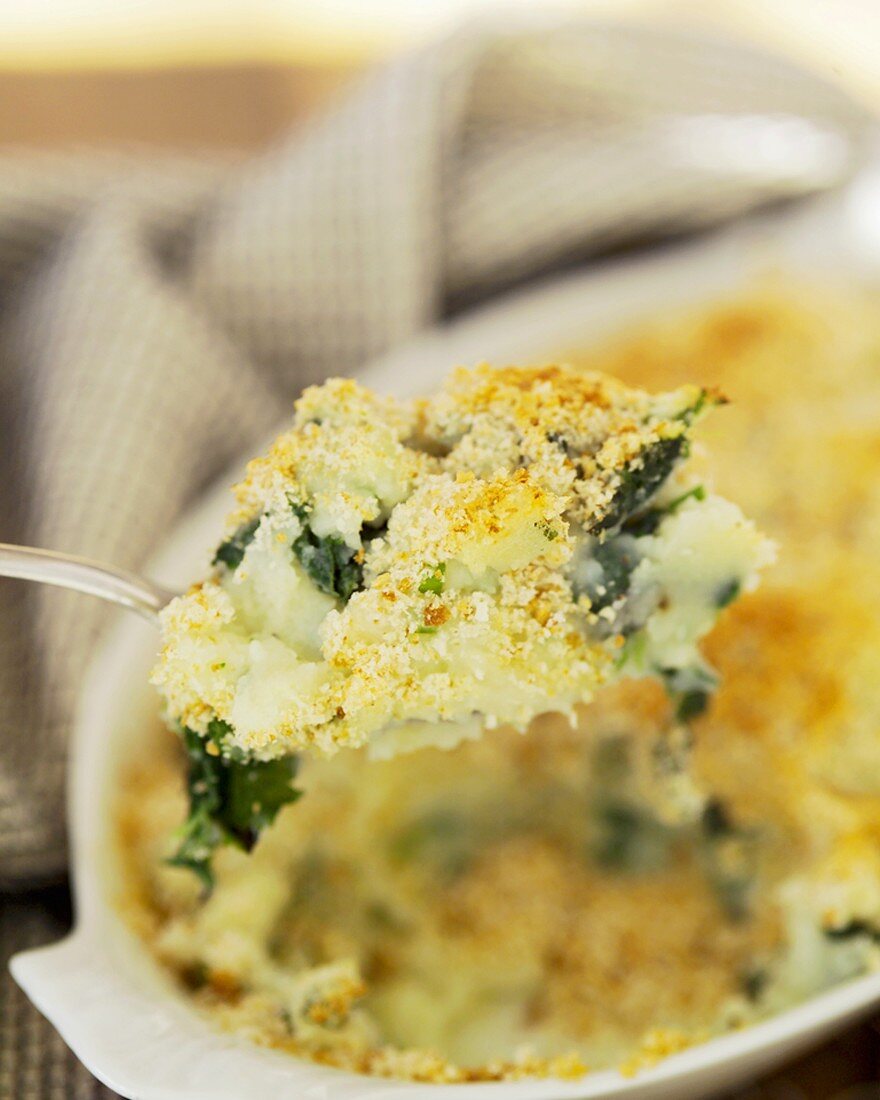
(158, 315)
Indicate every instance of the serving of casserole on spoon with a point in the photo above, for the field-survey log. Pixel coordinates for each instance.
(402, 574)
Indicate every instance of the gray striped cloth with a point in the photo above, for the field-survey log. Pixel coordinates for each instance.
(158, 314)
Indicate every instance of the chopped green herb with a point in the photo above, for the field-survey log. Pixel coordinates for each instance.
(550, 533)
(434, 581)
(633, 652)
(232, 550)
(230, 800)
(426, 630)
(696, 493)
(329, 561)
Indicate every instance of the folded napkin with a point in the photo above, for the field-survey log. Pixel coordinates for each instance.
(159, 314)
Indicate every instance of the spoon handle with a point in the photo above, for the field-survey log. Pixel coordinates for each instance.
(83, 575)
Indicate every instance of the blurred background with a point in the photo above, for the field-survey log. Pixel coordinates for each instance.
(232, 74)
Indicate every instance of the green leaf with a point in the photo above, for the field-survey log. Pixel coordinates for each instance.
(328, 561)
(647, 522)
(731, 878)
(628, 839)
(706, 400)
(691, 704)
(716, 820)
(232, 550)
(852, 929)
(690, 689)
(753, 982)
(641, 480)
(618, 558)
(727, 592)
(255, 793)
(231, 800)
(199, 837)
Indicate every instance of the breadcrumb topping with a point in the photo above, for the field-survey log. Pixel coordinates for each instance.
(394, 562)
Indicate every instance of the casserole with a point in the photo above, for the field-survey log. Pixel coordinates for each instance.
(111, 1002)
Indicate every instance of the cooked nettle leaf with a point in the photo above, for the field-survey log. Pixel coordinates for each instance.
(329, 561)
(707, 397)
(617, 559)
(729, 859)
(230, 552)
(629, 839)
(690, 689)
(230, 800)
(642, 478)
(716, 821)
(727, 592)
(691, 704)
(753, 982)
(647, 522)
(853, 930)
(733, 888)
(646, 473)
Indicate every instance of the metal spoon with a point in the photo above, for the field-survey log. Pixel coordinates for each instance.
(83, 575)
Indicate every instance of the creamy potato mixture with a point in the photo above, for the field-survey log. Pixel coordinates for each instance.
(401, 574)
(395, 569)
(587, 895)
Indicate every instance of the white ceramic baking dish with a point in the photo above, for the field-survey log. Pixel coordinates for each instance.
(112, 1003)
